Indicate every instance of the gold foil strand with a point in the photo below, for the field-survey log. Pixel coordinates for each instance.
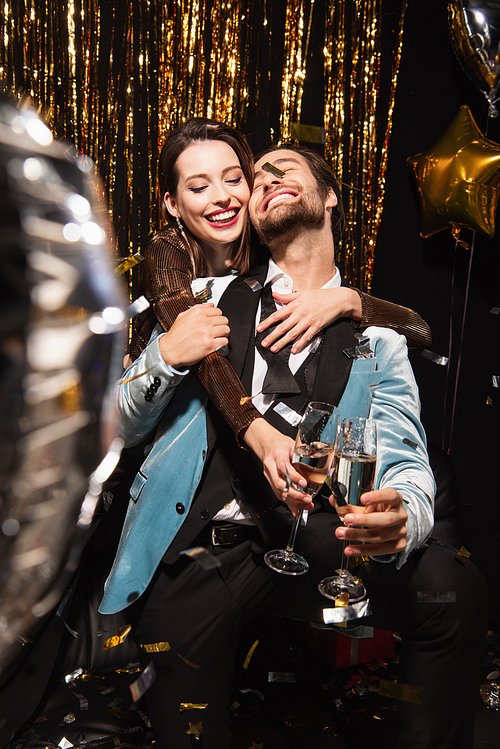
(352, 111)
(293, 70)
(95, 68)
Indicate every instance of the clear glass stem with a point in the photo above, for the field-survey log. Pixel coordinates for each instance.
(344, 567)
(293, 532)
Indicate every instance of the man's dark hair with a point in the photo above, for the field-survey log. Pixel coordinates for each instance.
(324, 178)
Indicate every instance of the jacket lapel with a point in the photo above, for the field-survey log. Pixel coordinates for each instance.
(334, 366)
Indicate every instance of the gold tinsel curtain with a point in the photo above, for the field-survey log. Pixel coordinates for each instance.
(114, 77)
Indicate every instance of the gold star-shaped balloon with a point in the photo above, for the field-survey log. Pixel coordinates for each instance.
(458, 179)
(196, 729)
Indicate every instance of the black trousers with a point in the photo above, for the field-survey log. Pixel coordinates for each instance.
(200, 614)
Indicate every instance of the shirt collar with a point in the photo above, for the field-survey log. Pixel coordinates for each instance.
(277, 277)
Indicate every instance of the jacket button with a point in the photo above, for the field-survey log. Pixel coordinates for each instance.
(204, 514)
(237, 482)
(204, 454)
(157, 382)
(180, 508)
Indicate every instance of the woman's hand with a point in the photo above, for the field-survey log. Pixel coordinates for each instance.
(383, 520)
(306, 313)
(275, 450)
(196, 333)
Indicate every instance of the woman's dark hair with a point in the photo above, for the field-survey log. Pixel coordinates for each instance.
(198, 130)
(324, 178)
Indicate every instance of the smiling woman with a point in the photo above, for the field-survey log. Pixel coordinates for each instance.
(211, 204)
(206, 169)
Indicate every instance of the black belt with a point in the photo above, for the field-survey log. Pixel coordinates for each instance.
(231, 534)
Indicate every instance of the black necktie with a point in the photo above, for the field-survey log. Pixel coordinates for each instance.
(278, 377)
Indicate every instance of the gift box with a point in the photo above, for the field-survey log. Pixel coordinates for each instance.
(342, 651)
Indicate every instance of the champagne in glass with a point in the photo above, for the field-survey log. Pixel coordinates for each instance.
(352, 475)
(315, 446)
(313, 462)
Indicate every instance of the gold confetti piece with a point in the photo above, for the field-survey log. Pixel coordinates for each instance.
(155, 647)
(192, 706)
(194, 552)
(403, 692)
(255, 746)
(463, 555)
(308, 133)
(249, 655)
(41, 719)
(273, 170)
(189, 663)
(136, 377)
(248, 398)
(203, 557)
(116, 741)
(131, 669)
(119, 637)
(129, 263)
(489, 400)
(330, 730)
(144, 718)
(342, 600)
(356, 561)
(196, 729)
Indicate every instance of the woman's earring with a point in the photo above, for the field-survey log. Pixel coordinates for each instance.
(181, 229)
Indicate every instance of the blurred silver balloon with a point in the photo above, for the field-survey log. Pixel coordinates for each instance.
(62, 336)
(475, 34)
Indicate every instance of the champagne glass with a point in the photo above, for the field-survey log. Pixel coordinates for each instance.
(352, 475)
(313, 453)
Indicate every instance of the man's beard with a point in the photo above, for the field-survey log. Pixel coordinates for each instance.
(288, 218)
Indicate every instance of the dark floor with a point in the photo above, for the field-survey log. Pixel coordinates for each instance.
(287, 694)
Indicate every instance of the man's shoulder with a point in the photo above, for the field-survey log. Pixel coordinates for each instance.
(384, 335)
(387, 345)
